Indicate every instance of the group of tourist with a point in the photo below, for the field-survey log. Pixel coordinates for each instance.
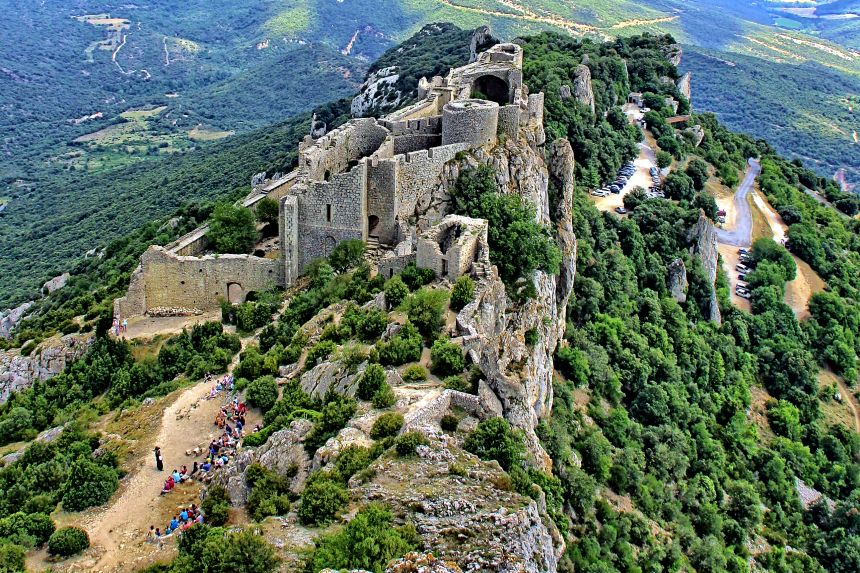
(177, 477)
(187, 517)
(119, 326)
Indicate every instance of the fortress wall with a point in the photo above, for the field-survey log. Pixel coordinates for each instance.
(288, 214)
(332, 211)
(381, 199)
(470, 121)
(415, 142)
(192, 244)
(425, 125)
(509, 120)
(334, 152)
(419, 174)
(172, 281)
(390, 266)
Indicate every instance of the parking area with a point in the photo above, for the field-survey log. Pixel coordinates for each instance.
(640, 177)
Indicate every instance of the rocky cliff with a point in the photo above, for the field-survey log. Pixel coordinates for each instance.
(704, 238)
(18, 372)
(582, 88)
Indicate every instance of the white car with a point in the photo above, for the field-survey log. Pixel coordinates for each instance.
(599, 193)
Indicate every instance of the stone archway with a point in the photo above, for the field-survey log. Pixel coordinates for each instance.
(329, 243)
(491, 88)
(372, 224)
(235, 293)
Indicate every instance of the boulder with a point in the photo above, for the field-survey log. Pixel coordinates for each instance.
(482, 39)
(10, 317)
(685, 86)
(564, 92)
(55, 283)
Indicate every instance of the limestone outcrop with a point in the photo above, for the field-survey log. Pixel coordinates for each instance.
(10, 317)
(677, 280)
(582, 88)
(704, 238)
(482, 39)
(55, 283)
(685, 86)
(493, 327)
(696, 134)
(18, 372)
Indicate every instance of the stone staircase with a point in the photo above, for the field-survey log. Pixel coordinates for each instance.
(481, 269)
(372, 252)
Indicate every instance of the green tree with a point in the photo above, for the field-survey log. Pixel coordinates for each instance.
(425, 310)
(267, 210)
(697, 170)
(664, 159)
(347, 254)
(679, 186)
(395, 291)
(88, 484)
(371, 381)
(68, 541)
(494, 439)
(321, 500)
(263, 393)
(368, 542)
(232, 229)
(463, 292)
(446, 358)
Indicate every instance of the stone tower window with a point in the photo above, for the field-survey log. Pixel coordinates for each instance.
(328, 213)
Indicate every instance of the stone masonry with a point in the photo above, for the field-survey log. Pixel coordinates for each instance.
(369, 179)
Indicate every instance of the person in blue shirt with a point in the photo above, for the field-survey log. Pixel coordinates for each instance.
(174, 523)
(183, 516)
(177, 477)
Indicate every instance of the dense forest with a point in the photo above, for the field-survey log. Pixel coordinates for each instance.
(657, 463)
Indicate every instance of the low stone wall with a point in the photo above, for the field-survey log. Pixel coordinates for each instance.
(168, 280)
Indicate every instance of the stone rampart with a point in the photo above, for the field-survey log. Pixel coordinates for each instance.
(166, 280)
(471, 121)
(451, 247)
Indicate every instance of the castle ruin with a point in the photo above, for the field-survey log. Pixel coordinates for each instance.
(369, 179)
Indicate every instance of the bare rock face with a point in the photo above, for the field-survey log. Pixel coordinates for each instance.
(283, 453)
(472, 518)
(55, 283)
(685, 86)
(582, 87)
(493, 327)
(697, 134)
(674, 53)
(49, 359)
(9, 318)
(482, 39)
(677, 280)
(564, 92)
(414, 563)
(704, 238)
(378, 87)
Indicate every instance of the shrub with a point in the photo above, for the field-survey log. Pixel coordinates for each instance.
(573, 363)
(494, 439)
(407, 443)
(28, 530)
(68, 541)
(321, 500)
(208, 549)
(404, 347)
(459, 384)
(334, 416)
(346, 255)
(263, 393)
(384, 397)
(351, 460)
(414, 373)
(12, 558)
(268, 493)
(531, 336)
(446, 358)
(368, 542)
(88, 484)
(415, 278)
(449, 423)
(395, 291)
(386, 425)
(425, 310)
(250, 364)
(463, 292)
(318, 352)
(371, 381)
(216, 505)
(232, 229)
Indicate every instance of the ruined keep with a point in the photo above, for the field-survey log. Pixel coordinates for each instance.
(369, 179)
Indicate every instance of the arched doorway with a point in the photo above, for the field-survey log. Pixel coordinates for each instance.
(372, 224)
(329, 243)
(235, 293)
(491, 88)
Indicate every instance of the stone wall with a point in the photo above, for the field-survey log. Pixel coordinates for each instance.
(332, 211)
(334, 152)
(165, 280)
(450, 247)
(471, 121)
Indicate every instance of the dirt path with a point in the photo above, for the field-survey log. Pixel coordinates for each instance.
(117, 531)
(850, 401)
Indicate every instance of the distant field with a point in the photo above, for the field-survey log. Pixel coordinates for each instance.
(204, 134)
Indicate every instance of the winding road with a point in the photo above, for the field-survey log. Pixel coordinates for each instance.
(741, 234)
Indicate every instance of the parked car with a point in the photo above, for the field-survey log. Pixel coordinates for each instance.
(721, 213)
(743, 294)
(742, 268)
(599, 193)
(742, 276)
(742, 251)
(721, 219)
(742, 284)
(620, 210)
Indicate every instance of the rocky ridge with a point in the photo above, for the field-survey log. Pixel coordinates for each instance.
(18, 372)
